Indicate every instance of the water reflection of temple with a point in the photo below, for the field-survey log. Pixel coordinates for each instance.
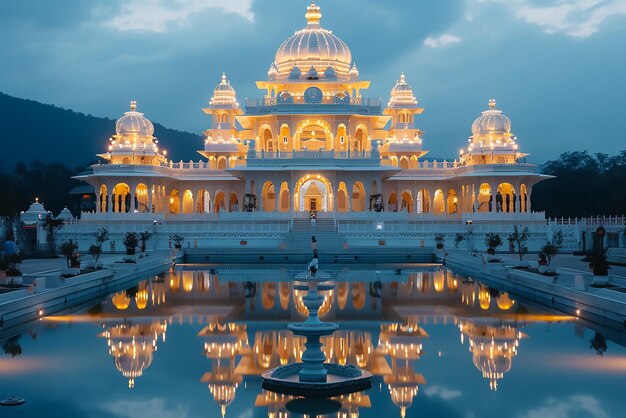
(132, 346)
(382, 319)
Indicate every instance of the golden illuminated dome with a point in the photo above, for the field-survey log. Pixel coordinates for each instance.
(402, 94)
(134, 124)
(224, 94)
(491, 122)
(313, 46)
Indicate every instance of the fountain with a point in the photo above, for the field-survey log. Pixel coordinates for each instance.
(313, 377)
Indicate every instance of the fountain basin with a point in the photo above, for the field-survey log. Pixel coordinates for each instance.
(341, 380)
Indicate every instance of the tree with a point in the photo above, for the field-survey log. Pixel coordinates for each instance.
(552, 247)
(12, 346)
(520, 239)
(458, 238)
(598, 343)
(598, 263)
(101, 235)
(51, 226)
(70, 251)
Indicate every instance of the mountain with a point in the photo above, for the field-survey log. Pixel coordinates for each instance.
(33, 131)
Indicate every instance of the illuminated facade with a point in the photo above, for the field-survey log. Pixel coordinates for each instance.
(313, 143)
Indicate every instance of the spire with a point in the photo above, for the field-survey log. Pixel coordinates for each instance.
(223, 411)
(133, 105)
(313, 13)
(224, 79)
(402, 78)
(492, 103)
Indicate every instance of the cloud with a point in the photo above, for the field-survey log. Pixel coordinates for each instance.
(442, 392)
(159, 15)
(443, 40)
(576, 18)
(568, 408)
(153, 408)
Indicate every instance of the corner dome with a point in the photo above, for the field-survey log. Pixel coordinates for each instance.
(492, 121)
(313, 46)
(224, 94)
(402, 94)
(134, 123)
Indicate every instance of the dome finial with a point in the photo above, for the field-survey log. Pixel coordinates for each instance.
(133, 105)
(313, 13)
(224, 79)
(492, 103)
(402, 78)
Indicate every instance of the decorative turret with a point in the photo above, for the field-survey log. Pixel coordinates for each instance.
(404, 142)
(224, 95)
(492, 141)
(133, 142)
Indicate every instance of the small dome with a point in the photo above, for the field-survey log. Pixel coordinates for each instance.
(315, 46)
(224, 94)
(65, 214)
(492, 121)
(354, 72)
(272, 73)
(134, 123)
(402, 94)
(34, 214)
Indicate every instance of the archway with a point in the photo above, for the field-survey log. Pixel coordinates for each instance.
(407, 202)
(392, 203)
(453, 202)
(313, 193)
(413, 164)
(203, 204)
(404, 162)
(342, 137)
(285, 197)
(360, 139)
(121, 198)
(221, 163)
(220, 202)
(187, 202)
(141, 198)
(174, 201)
(233, 202)
(267, 140)
(269, 197)
(423, 201)
(523, 198)
(285, 137)
(342, 197)
(314, 136)
(505, 197)
(103, 199)
(485, 199)
(358, 197)
(212, 163)
(438, 204)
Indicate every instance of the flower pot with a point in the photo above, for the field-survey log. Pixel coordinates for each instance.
(178, 246)
(440, 246)
(130, 251)
(491, 251)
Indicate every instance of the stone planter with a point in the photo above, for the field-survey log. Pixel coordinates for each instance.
(14, 281)
(600, 280)
(71, 271)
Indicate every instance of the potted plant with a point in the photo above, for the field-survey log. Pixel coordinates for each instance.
(131, 240)
(144, 237)
(70, 251)
(178, 241)
(458, 238)
(440, 239)
(492, 241)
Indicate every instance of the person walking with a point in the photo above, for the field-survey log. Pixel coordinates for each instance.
(313, 265)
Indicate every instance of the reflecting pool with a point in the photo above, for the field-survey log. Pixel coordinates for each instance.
(193, 343)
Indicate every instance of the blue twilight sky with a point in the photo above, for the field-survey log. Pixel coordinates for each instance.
(556, 67)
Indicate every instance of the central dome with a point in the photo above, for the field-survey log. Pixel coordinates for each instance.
(315, 47)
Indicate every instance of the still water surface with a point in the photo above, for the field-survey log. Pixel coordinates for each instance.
(193, 343)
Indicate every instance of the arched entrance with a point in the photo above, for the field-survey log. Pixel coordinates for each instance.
(407, 202)
(284, 197)
(358, 197)
(438, 204)
(505, 197)
(313, 194)
(485, 199)
(360, 139)
(314, 136)
(121, 198)
(453, 202)
(392, 203)
(269, 197)
(342, 197)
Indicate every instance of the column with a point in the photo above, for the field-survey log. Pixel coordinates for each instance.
(494, 192)
(529, 191)
(151, 187)
(133, 197)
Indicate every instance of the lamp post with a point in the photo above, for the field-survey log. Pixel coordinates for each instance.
(470, 235)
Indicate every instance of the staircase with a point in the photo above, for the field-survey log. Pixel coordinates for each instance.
(321, 225)
(328, 242)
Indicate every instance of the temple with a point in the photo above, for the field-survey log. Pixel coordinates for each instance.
(314, 145)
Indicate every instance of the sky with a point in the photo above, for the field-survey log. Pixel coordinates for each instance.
(556, 67)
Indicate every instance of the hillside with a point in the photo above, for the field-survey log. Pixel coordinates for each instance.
(33, 131)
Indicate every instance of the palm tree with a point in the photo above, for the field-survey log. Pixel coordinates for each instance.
(51, 226)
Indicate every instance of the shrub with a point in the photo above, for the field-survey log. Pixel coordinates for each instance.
(144, 237)
(520, 239)
(131, 239)
(458, 238)
(598, 263)
(69, 250)
(178, 239)
(440, 239)
(552, 247)
(493, 240)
